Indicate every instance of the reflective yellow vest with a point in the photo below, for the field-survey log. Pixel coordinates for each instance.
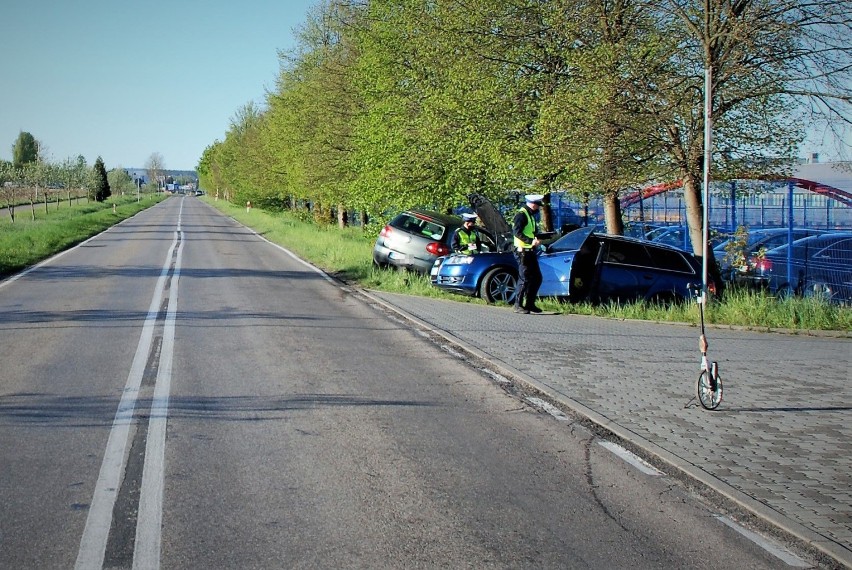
(529, 231)
(466, 238)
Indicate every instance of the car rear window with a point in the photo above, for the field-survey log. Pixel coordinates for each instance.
(419, 226)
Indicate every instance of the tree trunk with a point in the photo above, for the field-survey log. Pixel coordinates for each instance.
(694, 212)
(612, 213)
(692, 193)
(342, 216)
(365, 219)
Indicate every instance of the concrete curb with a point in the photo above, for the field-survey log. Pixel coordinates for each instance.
(693, 472)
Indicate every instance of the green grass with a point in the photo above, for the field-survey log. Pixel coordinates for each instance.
(26, 241)
(347, 254)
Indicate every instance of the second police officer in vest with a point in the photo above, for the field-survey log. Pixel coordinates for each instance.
(524, 230)
(466, 239)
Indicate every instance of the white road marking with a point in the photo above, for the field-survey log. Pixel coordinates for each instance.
(631, 458)
(452, 352)
(98, 522)
(53, 258)
(549, 408)
(295, 257)
(770, 546)
(146, 553)
(497, 377)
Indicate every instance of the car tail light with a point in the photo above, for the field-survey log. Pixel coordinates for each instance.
(436, 248)
(760, 264)
(711, 287)
(386, 231)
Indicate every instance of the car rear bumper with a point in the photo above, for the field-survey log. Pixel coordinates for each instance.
(385, 256)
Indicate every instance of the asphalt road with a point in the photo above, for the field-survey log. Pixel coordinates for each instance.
(179, 393)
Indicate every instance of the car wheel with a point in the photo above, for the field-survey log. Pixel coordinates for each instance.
(821, 291)
(499, 284)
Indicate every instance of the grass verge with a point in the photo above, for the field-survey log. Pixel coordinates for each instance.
(347, 254)
(26, 241)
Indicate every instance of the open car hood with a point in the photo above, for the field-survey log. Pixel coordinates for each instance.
(493, 220)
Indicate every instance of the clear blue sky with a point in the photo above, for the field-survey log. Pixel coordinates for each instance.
(123, 80)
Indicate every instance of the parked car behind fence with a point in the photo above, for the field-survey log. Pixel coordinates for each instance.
(733, 254)
(817, 266)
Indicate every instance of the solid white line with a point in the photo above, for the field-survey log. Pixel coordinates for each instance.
(314, 268)
(549, 408)
(146, 553)
(497, 377)
(98, 522)
(771, 547)
(51, 259)
(631, 458)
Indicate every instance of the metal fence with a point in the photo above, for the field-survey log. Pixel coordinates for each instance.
(776, 206)
(819, 268)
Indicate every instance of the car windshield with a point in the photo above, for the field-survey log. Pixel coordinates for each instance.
(571, 241)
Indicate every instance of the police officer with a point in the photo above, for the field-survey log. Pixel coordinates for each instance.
(466, 239)
(524, 230)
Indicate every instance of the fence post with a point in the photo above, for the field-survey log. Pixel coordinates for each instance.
(790, 187)
(733, 206)
(828, 214)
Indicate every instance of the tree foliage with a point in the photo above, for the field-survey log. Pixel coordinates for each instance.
(120, 181)
(388, 104)
(155, 167)
(99, 188)
(25, 150)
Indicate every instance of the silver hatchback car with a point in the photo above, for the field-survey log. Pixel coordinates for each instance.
(414, 239)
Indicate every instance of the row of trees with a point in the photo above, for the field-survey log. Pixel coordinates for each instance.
(385, 104)
(42, 182)
(31, 178)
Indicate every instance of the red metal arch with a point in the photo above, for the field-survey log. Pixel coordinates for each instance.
(841, 196)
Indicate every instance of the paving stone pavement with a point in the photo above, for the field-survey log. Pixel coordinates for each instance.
(780, 443)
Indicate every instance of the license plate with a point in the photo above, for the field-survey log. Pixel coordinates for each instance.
(397, 256)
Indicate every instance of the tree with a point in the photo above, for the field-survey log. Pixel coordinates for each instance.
(764, 56)
(25, 150)
(99, 188)
(10, 174)
(306, 133)
(155, 166)
(120, 181)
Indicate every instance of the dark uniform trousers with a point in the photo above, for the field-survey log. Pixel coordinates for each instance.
(529, 278)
